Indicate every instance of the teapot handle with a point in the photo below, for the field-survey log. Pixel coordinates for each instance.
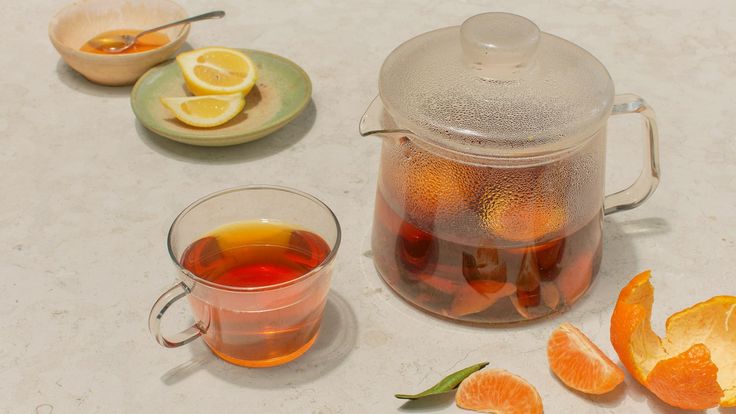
(644, 186)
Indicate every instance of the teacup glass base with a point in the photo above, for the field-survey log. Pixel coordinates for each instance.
(272, 362)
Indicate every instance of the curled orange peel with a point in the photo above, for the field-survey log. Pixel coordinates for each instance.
(694, 366)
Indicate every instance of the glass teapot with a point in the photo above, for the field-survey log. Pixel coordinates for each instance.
(491, 185)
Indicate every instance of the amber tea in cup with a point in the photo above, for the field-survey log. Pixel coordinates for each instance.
(258, 281)
(259, 254)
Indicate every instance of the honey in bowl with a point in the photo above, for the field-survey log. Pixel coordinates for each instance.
(144, 43)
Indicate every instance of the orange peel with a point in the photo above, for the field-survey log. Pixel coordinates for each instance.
(694, 366)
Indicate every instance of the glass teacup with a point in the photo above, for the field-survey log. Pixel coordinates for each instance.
(255, 263)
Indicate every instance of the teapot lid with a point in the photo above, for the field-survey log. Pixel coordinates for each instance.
(496, 86)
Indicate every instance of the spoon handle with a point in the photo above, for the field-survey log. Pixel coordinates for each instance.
(211, 15)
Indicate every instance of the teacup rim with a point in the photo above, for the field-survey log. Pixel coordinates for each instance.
(327, 261)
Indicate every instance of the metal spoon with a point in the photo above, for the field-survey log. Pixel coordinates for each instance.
(121, 43)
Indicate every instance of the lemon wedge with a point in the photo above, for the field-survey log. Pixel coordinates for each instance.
(217, 71)
(206, 111)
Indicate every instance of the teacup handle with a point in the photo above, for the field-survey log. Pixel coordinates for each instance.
(644, 186)
(163, 303)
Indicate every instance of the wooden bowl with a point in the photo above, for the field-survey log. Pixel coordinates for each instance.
(76, 23)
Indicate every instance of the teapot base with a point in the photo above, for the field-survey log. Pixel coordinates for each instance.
(484, 283)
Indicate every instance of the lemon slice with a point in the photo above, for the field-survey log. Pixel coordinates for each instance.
(205, 111)
(217, 71)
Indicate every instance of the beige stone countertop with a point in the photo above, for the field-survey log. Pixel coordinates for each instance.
(88, 195)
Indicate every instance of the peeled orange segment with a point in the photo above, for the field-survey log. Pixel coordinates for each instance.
(694, 366)
(579, 363)
(498, 391)
(217, 71)
(205, 111)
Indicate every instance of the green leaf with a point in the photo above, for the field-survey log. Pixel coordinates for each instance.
(448, 383)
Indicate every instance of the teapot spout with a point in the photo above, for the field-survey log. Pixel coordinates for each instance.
(377, 121)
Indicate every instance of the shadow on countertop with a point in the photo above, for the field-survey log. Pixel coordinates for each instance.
(432, 403)
(611, 399)
(638, 393)
(271, 144)
(620, 262)
(76, 82)
(337, 338)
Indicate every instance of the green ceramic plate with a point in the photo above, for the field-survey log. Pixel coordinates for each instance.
(281, 93)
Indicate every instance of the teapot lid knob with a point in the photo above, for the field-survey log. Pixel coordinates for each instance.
(499, 46)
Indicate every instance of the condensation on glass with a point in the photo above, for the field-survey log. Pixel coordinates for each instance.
(490, 194)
